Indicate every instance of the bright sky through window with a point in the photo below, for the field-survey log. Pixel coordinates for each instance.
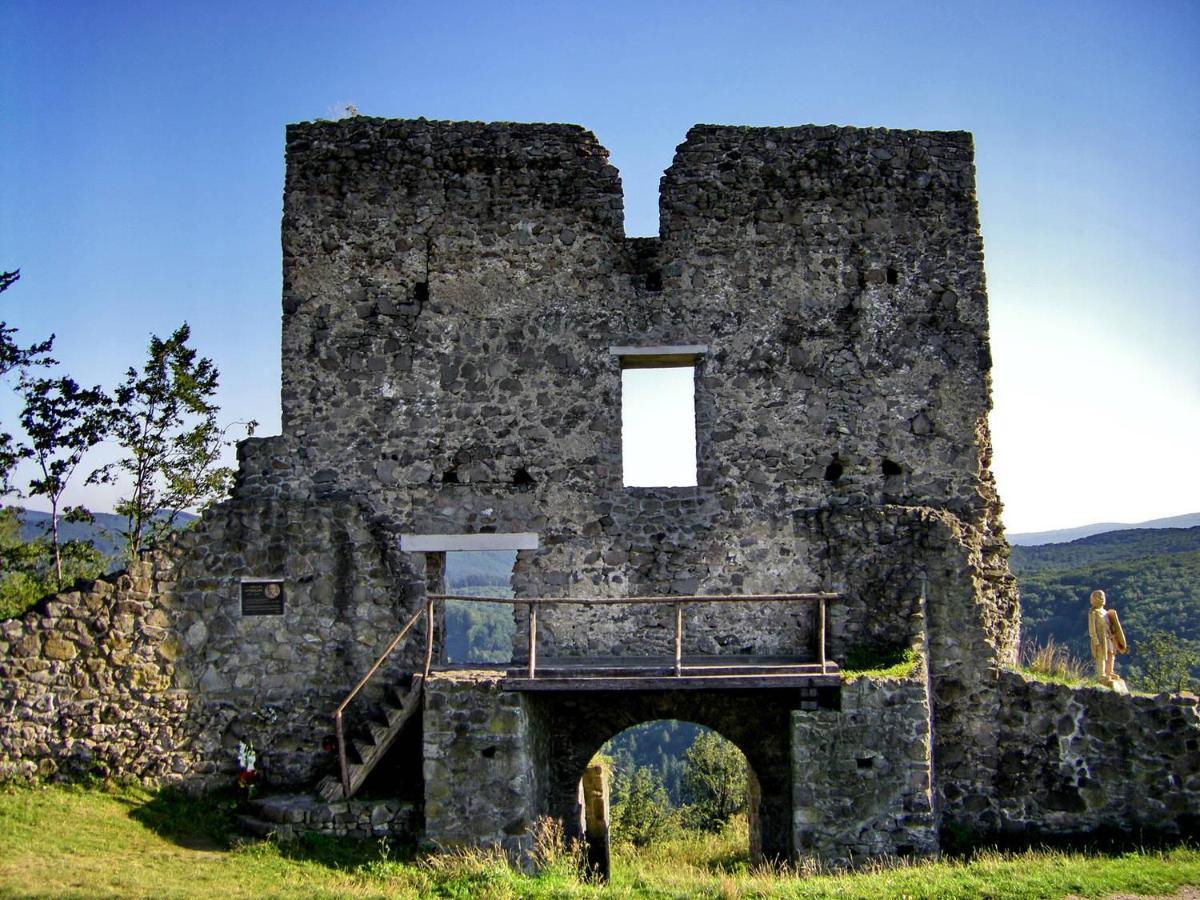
(658, 427)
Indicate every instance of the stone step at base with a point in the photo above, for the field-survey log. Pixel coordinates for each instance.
(330, 788)
(286, 816)
(261, 828)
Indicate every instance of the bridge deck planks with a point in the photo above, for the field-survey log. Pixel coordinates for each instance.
(698, 673)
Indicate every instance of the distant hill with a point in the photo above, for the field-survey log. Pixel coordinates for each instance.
(104, 532)
(1061, 535)
(1151, 577)
(479, 568)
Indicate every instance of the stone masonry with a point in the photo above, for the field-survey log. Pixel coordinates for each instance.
(1088, 759)
(459, 301)
(863, 775)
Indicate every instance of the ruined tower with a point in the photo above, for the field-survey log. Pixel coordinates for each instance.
(459, 305)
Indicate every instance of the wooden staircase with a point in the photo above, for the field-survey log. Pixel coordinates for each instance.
(372, 742)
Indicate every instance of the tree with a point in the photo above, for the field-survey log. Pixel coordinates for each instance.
(714, 782)
(166, 424)
(62, 421)
(641, 811)
(27, 567)
(15, 357)
(1169, 661)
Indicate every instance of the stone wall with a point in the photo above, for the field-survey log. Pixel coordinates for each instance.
(347, 592)
(87, 685)
(1077, 760)
(918, 576)
(862, 775)
(289, 816)
(478, 768)
(158, 674)
(452, 292)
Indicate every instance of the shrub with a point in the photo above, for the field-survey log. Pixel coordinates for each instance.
(714, 782)
(642, 813)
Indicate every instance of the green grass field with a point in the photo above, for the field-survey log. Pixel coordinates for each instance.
(129, 842)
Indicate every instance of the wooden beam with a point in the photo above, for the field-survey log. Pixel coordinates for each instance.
(671, 682)
(617, 601)
(678, 640)
(821, 634)
(532, 640)
(428, 636)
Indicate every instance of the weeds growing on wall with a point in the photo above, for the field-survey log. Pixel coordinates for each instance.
(1052, 661)
(876, 661)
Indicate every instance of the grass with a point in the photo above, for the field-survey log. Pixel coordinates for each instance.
(875, 662)
(1053, 662)
(129, 842)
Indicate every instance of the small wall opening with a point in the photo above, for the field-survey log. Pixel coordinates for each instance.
(479, 633)
(658, 426)
(834, 470)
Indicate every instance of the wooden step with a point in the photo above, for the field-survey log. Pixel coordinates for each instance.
(374, 744)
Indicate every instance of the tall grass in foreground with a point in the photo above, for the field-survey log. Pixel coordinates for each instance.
(76, 842)
(1052, 661)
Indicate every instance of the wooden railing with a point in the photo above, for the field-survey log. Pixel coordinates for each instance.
(821, 599)
(338, 728)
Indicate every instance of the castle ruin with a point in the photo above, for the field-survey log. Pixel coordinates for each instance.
(459, 304)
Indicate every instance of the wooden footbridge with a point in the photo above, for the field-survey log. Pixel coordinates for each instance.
(580, 674)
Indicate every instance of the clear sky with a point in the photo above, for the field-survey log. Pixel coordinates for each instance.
(141, 170)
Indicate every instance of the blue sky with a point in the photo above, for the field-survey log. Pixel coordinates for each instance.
(141, 169)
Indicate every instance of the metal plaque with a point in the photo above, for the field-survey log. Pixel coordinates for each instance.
(262, 597)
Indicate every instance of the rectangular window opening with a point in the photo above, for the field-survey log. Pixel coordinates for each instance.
(658, 421)
(479, 633)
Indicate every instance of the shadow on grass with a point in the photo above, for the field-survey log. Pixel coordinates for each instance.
(343, 853)
(962, 844)
(197, 823)
(207, 823)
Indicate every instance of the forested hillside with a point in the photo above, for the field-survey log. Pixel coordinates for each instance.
(1151, 577)
(479, 632)
(104, 532)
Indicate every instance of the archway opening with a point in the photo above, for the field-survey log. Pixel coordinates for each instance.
(674, 789)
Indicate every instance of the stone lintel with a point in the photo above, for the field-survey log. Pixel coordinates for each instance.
(659, 357)
(442, 543)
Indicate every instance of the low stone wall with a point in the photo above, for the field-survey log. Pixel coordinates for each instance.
(861, 776)
(1081, 759)
(288, 816)
(87, 684)
(479, 782)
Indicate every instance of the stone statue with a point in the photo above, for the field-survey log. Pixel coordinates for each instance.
(1108, 639)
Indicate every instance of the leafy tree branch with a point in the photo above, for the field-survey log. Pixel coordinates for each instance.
(14, 357)
(62, 421)
(165, 421)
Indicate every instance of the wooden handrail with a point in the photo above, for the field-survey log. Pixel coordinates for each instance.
(427, 610)
(820, 598)
(613, 601)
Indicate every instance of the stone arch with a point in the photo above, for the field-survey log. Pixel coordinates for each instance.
(595, 854)
(568, 727)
